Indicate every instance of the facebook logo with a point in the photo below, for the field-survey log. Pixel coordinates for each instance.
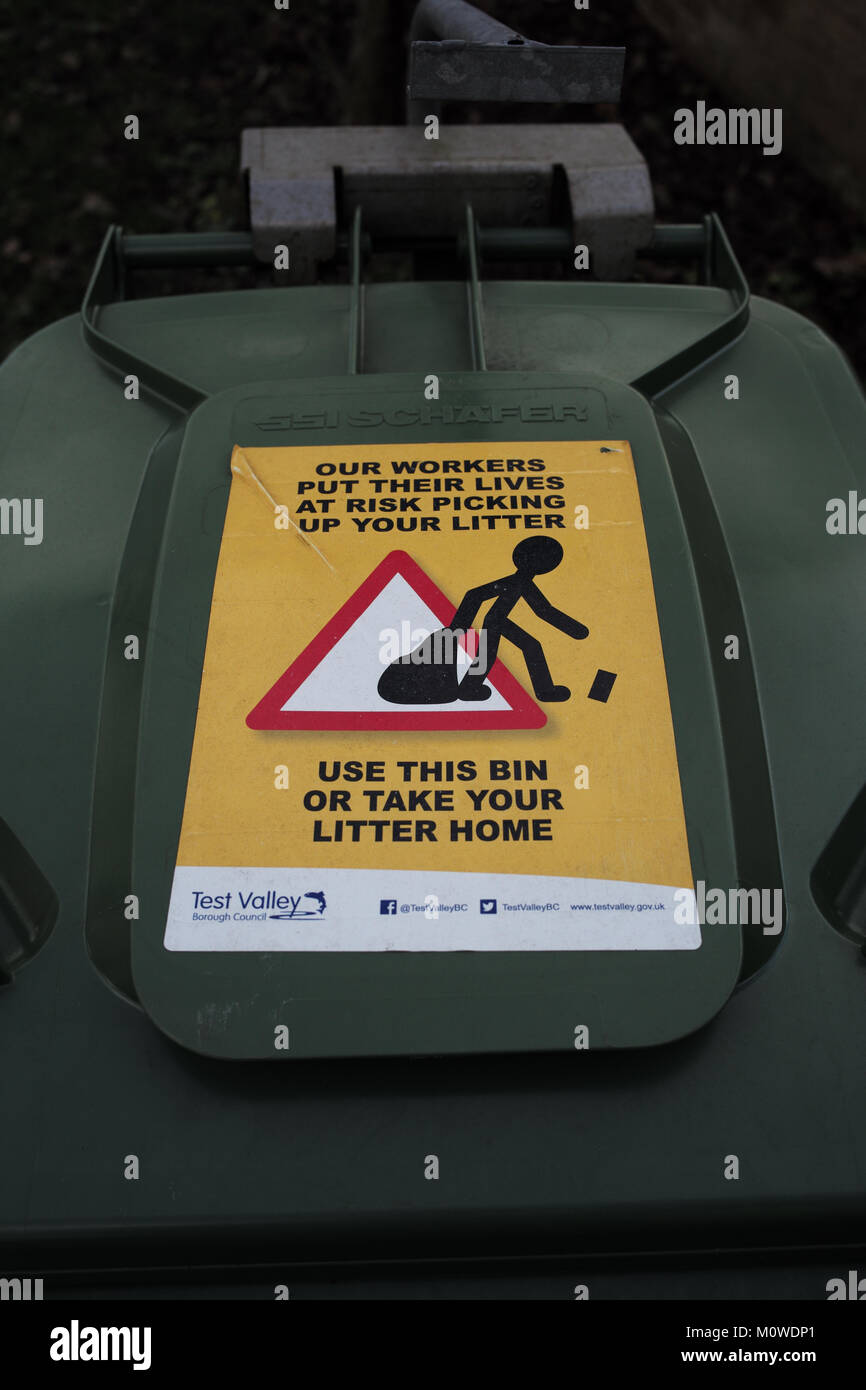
(387, 907)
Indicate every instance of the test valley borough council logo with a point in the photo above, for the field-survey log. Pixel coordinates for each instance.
(299, 907)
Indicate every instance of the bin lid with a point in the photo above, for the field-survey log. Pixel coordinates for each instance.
(409, 778)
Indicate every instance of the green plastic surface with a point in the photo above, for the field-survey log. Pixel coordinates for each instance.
(576, 1152)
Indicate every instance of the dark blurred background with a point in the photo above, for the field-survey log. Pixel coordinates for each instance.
(196, 73)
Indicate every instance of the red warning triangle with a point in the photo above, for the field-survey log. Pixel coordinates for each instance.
(333, 683)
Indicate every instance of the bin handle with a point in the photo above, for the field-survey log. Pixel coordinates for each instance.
(106, 287)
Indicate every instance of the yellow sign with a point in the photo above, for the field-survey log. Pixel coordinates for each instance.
(433, 712)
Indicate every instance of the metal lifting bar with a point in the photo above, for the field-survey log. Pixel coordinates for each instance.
(458, 53)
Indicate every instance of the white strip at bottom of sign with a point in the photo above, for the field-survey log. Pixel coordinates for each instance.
(259, 909)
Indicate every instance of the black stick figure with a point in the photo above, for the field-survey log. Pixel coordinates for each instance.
(536, 555)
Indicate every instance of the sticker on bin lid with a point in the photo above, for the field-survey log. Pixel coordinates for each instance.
(433, 713)
(338, 681)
